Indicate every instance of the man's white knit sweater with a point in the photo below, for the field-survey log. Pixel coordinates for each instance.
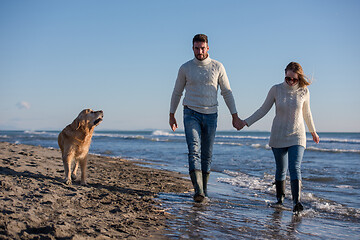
(292, 107)
(201, 79)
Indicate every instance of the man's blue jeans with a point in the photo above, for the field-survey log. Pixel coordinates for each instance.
(200, 135)
(288, 157)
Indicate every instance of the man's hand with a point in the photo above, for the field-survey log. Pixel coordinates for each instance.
(237, 122)
(172, 122)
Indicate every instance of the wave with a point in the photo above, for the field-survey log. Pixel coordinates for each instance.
(243, 137)
(130, 137)
(265, 185)
(345, 186)
(325, 140)
(315, 149)
(117, 135)
(244, 180)
(41, 133)
(165, 133)
(329, 206)
(338, 140)
(35, 132)
(229, 143)
(334, 150)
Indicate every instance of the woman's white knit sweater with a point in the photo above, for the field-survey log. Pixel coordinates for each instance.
(201, 79)
(292, 108)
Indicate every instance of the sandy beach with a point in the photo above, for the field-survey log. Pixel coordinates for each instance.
(118, 201)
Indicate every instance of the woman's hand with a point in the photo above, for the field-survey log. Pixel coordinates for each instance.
(315, 137)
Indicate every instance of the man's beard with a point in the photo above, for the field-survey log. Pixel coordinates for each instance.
(204, 56)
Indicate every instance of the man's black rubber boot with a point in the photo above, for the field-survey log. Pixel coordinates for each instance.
(197, 181)
(205, 176)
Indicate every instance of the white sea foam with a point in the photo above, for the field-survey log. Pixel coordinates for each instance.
(229, 143)
(345, 186)
(332, 207)
(334, 150)
(327, 140)
(153, 137)
(165, 133)
(247, 181)
(265, 185)
(243, 137)
(117, 135)
(160, 133)
(338, 140)
(111, 135)
(35, 132)
(41, 133)
(257, 145)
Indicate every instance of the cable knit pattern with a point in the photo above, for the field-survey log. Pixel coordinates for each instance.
(292, 108)
(201, 80)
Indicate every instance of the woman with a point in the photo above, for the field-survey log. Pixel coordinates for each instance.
(288, 137)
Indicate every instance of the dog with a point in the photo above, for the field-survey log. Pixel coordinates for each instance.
(74, 142)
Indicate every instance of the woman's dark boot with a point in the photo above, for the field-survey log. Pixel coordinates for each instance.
(205, 176)
(197, 181)
(296, 194)
(280, 191)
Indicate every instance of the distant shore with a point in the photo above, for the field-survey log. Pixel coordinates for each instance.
(118, 201)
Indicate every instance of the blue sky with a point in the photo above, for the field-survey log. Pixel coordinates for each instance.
(59, 57)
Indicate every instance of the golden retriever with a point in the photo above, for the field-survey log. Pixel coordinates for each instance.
(74, 141)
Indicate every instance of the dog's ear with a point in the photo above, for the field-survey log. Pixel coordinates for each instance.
(87, 124)
(75, 124)
(81, 124)
(71, 128)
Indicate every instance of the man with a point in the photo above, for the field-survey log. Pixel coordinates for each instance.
(201, 78)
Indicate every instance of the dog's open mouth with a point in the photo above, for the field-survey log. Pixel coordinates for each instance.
(97, 121)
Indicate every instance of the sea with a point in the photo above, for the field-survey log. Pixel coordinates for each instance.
(241, 186)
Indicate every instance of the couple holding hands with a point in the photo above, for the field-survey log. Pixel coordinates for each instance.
(201, 78)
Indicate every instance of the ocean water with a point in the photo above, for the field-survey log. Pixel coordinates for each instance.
(241, 183)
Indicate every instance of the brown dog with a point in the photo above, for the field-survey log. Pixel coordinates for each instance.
(74, 142)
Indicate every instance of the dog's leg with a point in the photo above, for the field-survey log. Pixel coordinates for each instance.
(73, 174)
(83, 164)
(67, 167)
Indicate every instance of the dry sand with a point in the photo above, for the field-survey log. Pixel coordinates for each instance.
(118, 202)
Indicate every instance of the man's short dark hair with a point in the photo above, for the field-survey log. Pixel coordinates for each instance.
(200, 38)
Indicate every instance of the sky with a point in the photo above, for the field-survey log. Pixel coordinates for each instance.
(59, 57)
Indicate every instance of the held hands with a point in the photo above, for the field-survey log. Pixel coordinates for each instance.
(172, 122)
(237, 122)
(315, 137)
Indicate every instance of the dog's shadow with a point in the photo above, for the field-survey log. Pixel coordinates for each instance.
(59, 181)
(37, 176)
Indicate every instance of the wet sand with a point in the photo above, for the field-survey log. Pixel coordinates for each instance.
(118, 202)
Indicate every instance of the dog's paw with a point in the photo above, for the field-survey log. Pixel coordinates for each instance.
(73, 176)
(83, 183)
(68, 181)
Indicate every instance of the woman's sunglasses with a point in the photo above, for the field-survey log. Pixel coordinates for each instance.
(288, 79)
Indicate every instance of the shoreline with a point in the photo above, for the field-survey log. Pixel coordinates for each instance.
(119, 200)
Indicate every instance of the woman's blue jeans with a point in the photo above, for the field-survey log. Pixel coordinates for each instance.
(288, 157)
(200, 132)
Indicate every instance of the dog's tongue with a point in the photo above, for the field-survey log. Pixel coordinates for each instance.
(97, 121)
